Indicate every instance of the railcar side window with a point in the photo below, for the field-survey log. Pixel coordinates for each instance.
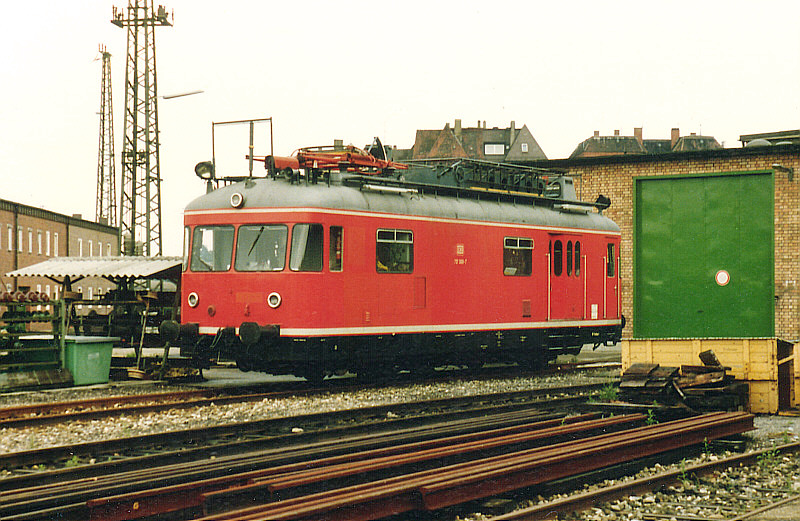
(569, 258)
(558, 261)
(187, 238)
(394, 251)
(610, 261)
(517, 256)
(212, 248)
(261, 247)
(336, 246)
(577, 258)
(306, 247)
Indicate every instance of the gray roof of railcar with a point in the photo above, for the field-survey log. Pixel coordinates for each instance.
(430, 201)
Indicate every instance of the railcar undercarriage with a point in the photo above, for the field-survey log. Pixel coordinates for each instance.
(375, 356)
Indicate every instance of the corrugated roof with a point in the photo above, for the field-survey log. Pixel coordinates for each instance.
(108, 267)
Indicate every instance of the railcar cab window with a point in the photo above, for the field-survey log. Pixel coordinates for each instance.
(261, 247)
(517, 256)
(212, 248)
(187, 238)
(394, 251)
(306, 247)
(610, 261)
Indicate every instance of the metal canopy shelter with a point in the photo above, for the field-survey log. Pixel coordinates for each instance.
(114, 269)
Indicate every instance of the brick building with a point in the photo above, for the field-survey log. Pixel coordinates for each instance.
(480, 142)
(30, 235)
(615, 177)
(617, 145)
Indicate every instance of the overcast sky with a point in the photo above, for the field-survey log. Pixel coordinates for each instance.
(353, 70)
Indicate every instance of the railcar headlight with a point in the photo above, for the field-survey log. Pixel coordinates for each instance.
(274, 300)
(204, 170)
(193, 300)
(237, 200)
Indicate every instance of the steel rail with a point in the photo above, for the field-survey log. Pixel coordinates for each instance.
(431, 490)
(396, 456)
(558, 508)
(33, 502)
(283, 424)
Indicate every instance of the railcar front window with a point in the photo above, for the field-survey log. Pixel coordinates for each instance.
(517, 256)
(394, 251)
(306, 247)
(212, 248)
(577, 258)
(261, 247)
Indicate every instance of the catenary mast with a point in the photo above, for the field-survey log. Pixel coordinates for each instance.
(140, 201)
(106, 209)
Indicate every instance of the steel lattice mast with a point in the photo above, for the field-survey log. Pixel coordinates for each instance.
(140, 206)
(106, 210)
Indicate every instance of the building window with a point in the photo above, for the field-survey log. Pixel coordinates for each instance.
(394, 251)
(80, 247)
(517, 256)
(39, 241)
(524, 148)
(55, 244)
(108, 249)
(10, 238)
(91, 248)
(306, 247)
(47, 242)
(30, 240)
(336, 248)
(494, 149)
(19, 239)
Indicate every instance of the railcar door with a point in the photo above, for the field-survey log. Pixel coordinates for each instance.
(567, 278)
(611, 307)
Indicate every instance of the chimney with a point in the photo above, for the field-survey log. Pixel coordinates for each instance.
(676, 134)
(616, 133)
(637, 133)
(484, 123)
(457, 129)
(596, 133)
(512, 135)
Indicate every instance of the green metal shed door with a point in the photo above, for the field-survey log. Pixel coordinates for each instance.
(703, 256)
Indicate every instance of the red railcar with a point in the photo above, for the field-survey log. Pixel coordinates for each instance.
(314, 272)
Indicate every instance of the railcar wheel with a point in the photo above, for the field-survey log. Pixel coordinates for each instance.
(244, 365)
(314, 375)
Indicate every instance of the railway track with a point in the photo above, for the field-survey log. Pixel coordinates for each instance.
(31, 415)
(427, 467)
(739, 487)
(240, 436)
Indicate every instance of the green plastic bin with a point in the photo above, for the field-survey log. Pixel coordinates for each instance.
(88, 358)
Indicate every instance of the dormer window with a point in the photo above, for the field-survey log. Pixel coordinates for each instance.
(494, 149)
(524, 148)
